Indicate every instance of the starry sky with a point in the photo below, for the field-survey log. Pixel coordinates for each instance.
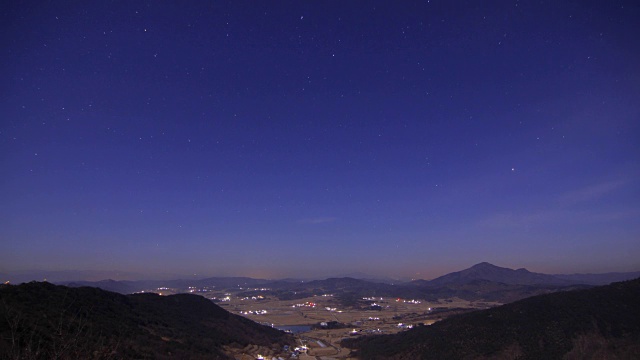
(318, 138)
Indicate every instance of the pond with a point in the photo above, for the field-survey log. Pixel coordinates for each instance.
(296, 329)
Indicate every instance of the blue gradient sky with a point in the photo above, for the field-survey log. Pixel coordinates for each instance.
(319, 138)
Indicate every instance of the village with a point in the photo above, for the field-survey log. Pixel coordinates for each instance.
(320, 323)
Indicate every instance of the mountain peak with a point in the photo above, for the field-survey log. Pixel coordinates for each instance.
(483, 264)
(487, 271)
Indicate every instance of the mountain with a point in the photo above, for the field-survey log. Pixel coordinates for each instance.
(344, 283)
(599, 279)
(351, 291)
(130, 287)
(348, 288)
(597, 323)
(340, 287)
(486, 271)
(17, 277)
(46, 321)
(371, 278)
(118, 286)
(486, 290)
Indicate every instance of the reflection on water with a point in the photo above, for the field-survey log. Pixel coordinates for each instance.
(296, 329)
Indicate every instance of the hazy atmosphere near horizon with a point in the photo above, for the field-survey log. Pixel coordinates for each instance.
(317, 138)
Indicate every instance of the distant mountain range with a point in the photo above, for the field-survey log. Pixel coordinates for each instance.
(599, 279)
(482, 281)
(17, 277)
(481, 271)
(597, 323)
(469, 289)
(130, 287)
(46, 321)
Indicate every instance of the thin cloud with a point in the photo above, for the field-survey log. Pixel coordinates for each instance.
(592, 192)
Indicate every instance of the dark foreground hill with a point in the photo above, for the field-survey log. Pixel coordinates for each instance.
(598, 323)
(45, 321)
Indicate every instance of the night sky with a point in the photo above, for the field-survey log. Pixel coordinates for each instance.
(316, 138)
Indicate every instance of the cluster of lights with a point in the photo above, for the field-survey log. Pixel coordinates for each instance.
(408, 301)
(403, 326)
(307, 304)
(193, 289)
(254, 312)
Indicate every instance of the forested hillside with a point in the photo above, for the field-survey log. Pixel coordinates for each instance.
(45, 321)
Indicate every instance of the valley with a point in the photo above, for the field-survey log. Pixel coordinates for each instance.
(328, 324)
(321, 322)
